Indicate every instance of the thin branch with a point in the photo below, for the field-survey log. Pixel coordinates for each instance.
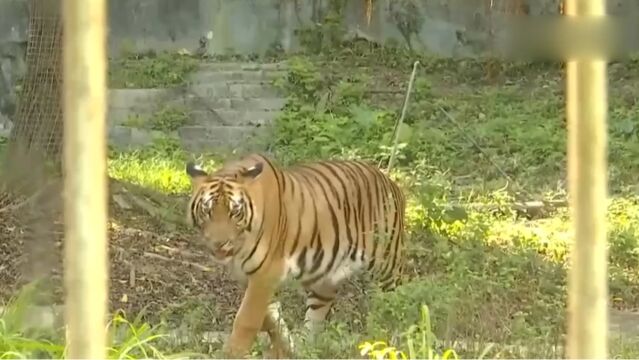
(401, 118)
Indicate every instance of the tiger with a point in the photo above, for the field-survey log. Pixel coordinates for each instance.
(317, 223)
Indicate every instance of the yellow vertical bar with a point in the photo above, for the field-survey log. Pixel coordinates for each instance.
(586, 97)
(86, 271)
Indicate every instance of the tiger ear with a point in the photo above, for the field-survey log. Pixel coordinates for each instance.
(196, 173)
(252, 172)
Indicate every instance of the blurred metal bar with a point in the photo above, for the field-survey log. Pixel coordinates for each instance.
(86, 271)
(586, 98)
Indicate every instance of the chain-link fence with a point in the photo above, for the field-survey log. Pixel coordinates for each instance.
(38, 119)
(30, 196)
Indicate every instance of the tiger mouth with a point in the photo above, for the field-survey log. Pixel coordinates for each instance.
(223, 251)
(223, 254)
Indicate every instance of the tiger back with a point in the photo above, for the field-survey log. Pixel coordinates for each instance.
(318, 223)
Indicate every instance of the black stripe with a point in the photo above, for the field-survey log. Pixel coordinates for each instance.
(253, 271)
(395, 235)
(336, 231)
(251, 212)
(352, 248)
(327, 180)
(301, 262)
(315, 237)
(309, 282)
(283, 232)
(283, 190)
(299, 221)
(352, 231)
(357, 209)
(317, 260)
(398, 223)
(368, 221)
(334, 168)
(269, 248)
(296, 239)
(376, 210)
(361, 222)
(391, 237)
(334, 171)
(260, 232)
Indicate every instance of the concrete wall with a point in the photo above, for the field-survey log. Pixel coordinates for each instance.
(445, 27)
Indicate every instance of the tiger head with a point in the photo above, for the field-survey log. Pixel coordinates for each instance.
(221, 208)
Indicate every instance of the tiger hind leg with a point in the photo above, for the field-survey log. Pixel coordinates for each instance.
(319, 301)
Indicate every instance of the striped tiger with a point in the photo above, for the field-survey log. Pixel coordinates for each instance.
(317, 223)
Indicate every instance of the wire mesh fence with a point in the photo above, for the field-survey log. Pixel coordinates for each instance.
(38, 119)
(30, 196)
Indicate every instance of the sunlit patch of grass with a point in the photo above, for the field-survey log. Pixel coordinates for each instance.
(155, 172)
(157, 168)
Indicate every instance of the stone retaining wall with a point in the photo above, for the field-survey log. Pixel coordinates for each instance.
(223, 106)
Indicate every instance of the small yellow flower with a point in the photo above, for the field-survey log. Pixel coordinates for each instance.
(379, 350)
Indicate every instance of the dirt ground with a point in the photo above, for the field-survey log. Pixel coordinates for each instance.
(153, 267)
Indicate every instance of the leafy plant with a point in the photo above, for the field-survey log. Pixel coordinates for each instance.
(151, 70)
(169, 118)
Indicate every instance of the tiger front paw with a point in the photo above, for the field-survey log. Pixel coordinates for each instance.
(277, 352)
(234, 351)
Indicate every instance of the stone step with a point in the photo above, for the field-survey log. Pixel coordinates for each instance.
(223, 90)
(258, 103)
(233, 117)
(151, 99)
(143, 103)
(241, 96)
(251, 77)
(140, 99)
(227, 116)
(228, 138)
(197, 138)
(194, 101)
(125, 137)
(243, 66)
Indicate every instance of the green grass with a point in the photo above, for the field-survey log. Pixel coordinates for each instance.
(486, 273)
(127, 339)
